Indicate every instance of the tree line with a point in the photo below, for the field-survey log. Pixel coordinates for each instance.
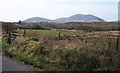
(91, 26)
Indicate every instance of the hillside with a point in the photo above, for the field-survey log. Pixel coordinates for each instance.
(74, 18)
(36, 19)
(80, 18)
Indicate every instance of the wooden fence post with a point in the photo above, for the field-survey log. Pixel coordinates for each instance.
(35, 34)
(9, 37)
(59, 35)
(24, 34)
(117, 43)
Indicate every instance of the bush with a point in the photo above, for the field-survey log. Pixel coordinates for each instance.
(78, 60)
(21, 41)
(70, 59)
(5, 46)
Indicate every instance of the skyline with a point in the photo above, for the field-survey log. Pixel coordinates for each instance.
(15, 10)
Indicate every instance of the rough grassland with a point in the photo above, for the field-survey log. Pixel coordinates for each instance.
(67, 50)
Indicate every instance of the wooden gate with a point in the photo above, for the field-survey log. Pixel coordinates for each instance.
(12, 37)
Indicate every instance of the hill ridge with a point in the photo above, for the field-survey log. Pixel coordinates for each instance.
(73, 18)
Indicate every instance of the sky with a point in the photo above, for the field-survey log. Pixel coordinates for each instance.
(15, 10)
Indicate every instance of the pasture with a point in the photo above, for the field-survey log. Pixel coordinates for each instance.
(67, 50)
(55, 32)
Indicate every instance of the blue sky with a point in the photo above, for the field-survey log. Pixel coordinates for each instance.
(14, 10)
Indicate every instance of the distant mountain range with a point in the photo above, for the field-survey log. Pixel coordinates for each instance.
(74, 18)
(36, 19)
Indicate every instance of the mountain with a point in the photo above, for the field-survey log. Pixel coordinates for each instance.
(36, 19)
(80, 18)
(74, 18)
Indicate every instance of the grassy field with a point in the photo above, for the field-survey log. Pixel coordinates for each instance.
(48, 33)
(67, 50)
(54, 32)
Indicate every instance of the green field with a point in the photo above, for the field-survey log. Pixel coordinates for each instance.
(48, 33)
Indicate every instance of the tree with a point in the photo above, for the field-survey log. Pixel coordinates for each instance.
(19, 22)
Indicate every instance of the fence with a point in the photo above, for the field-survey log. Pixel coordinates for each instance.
(12, 37)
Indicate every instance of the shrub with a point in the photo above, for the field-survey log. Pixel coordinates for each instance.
(78, 60)
(5, 46)
(20, 41)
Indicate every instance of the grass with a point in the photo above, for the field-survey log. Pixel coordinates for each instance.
(71, 53)
(47, 33)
